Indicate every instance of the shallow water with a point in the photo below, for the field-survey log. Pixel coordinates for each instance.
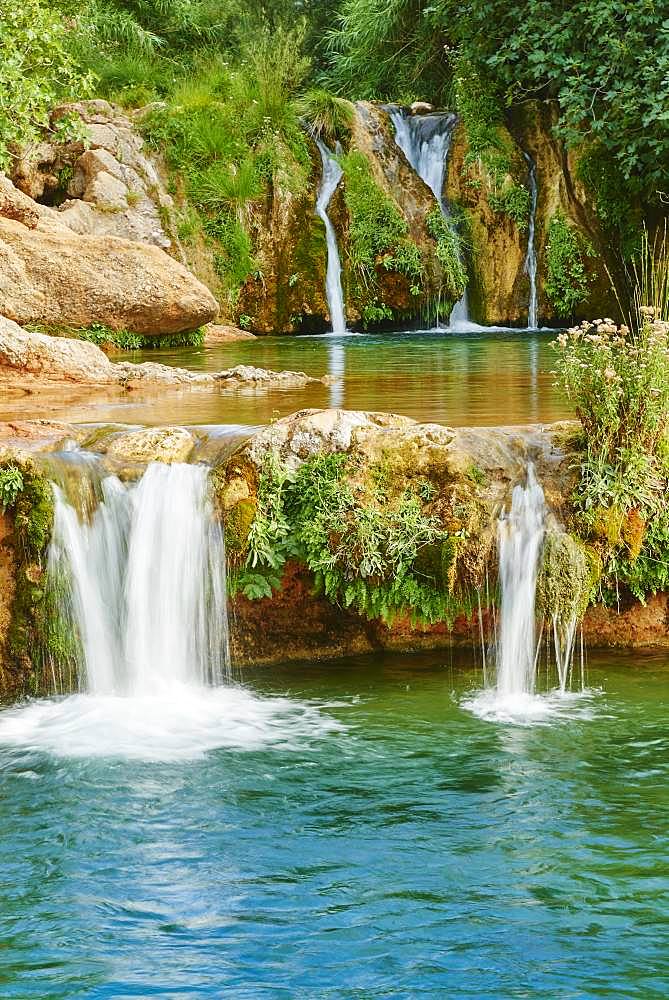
(483, 378)
(351, 830)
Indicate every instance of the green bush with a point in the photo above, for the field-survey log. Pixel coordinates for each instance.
(371, 545)
(378, 236)
(566, 283)
(617, 378)
(11, 484)
(36, 69)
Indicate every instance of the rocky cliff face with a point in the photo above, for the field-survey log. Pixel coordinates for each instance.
(111, 186)
(499, 282)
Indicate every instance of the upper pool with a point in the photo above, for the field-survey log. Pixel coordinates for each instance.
(485, 378)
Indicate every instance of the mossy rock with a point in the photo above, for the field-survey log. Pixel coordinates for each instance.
(568, 575)
(238, 523)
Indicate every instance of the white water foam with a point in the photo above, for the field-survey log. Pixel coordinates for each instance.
(141, 580)
(525, 709)
(183, 722)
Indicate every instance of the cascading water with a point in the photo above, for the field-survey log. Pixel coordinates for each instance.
(138, 573)
(520, 541)
(332, 174)
(530, 267)
(520, 536)
(425, 140)
(146, 575)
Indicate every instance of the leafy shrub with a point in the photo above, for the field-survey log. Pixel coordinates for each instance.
(371, 545)
(618, 379)
(11, 484)
(36, 68)
(566, 282)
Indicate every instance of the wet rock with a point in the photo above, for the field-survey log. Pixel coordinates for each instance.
(421, 108)
(63, 279)
(222, 334)
(156, 444)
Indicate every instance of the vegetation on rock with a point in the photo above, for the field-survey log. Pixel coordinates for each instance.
(378, 237)
(374, 541)
(566, 275)
(36, 638)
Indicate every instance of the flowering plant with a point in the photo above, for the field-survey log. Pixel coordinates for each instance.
(618, 381)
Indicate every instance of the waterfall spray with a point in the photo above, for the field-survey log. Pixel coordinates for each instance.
(332, 174)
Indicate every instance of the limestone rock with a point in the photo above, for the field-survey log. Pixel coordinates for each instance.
(39, 354)
(112, 172)
(155, 444)
(69, 280)
(311, 432)
(16, 205)
(222, 334)
(421, 108)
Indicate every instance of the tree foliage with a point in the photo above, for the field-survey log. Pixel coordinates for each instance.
(605, 61)
(37, 67)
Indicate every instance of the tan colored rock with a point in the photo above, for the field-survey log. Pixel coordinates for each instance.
(311, 432)
(71, 280)
(221, 334)
(421, 108)
(156, 444)
(108, 193)
(16, 205)
(39, 354)
(132, 206)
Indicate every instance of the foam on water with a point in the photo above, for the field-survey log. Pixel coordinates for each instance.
(182, 722)
(525, 709)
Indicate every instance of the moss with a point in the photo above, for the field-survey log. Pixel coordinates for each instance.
(35, 637)
(238, 523)
(568, 576)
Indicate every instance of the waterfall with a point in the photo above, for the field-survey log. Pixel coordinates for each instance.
(142, 580)
(530, 267)
(520, 537)
(425, 140)
(332, 174)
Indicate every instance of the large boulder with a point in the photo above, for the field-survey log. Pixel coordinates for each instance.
(58, 278)
(154, 444)
(59, 357)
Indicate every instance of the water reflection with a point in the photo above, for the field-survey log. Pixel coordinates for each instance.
(474, 379)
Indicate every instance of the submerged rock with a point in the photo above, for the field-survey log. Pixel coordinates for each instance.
(222, 334)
